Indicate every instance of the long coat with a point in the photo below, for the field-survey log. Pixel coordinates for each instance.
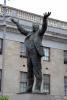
(37, 42)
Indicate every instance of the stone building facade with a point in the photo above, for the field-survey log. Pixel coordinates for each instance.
(13, 66)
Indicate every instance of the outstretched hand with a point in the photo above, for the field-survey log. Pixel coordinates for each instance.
(46, 15)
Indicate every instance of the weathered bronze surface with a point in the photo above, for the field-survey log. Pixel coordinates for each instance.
(34, 51)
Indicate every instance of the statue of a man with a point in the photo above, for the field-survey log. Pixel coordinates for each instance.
(34, 51)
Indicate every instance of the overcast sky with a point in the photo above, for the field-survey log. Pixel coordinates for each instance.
(57, 7)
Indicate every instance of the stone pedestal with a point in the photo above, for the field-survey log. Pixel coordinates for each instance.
(28, 96)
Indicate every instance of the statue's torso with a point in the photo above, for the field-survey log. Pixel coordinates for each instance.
(34, 41)
(29, 41)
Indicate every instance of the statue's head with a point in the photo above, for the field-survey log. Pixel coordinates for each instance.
(35, 27)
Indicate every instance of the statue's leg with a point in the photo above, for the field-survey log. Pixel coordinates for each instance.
(30, 75)
(36, 60)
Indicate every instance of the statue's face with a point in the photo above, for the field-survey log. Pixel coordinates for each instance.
(35, 27)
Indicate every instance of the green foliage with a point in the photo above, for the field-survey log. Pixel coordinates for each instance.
(3, 98)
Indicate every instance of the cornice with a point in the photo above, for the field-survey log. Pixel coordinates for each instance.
(57, 30)
(56, 39)
(13, 12)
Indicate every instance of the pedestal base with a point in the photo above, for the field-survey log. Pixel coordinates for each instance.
(28, 96)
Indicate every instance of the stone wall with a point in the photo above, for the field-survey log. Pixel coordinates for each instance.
(14, 64)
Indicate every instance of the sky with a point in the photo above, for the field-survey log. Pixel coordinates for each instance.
(58, 8)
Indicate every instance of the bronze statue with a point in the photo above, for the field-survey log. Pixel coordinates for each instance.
(34, 51)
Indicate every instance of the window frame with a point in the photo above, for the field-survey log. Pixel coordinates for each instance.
(46, 56)
(1, 80)
(22, 54)
(65, 86)
(46, 83)
(23, 81)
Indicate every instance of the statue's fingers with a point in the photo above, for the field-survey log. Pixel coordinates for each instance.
(49, 13)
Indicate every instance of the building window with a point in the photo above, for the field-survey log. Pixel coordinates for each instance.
(65, 85)
(65, 56)
(0, 78)
(46, 83)
(23, 81)
(46, 54)
(1, 45)
(22, 50)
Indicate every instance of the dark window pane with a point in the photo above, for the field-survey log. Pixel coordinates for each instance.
(23, 77)
(65, 56)
(23, 86)
(22, 50)
(0, 85)
(65, 85)
(0, 78)
(1, 45)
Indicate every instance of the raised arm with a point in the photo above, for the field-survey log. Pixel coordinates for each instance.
(44, 25)
(20, 28)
